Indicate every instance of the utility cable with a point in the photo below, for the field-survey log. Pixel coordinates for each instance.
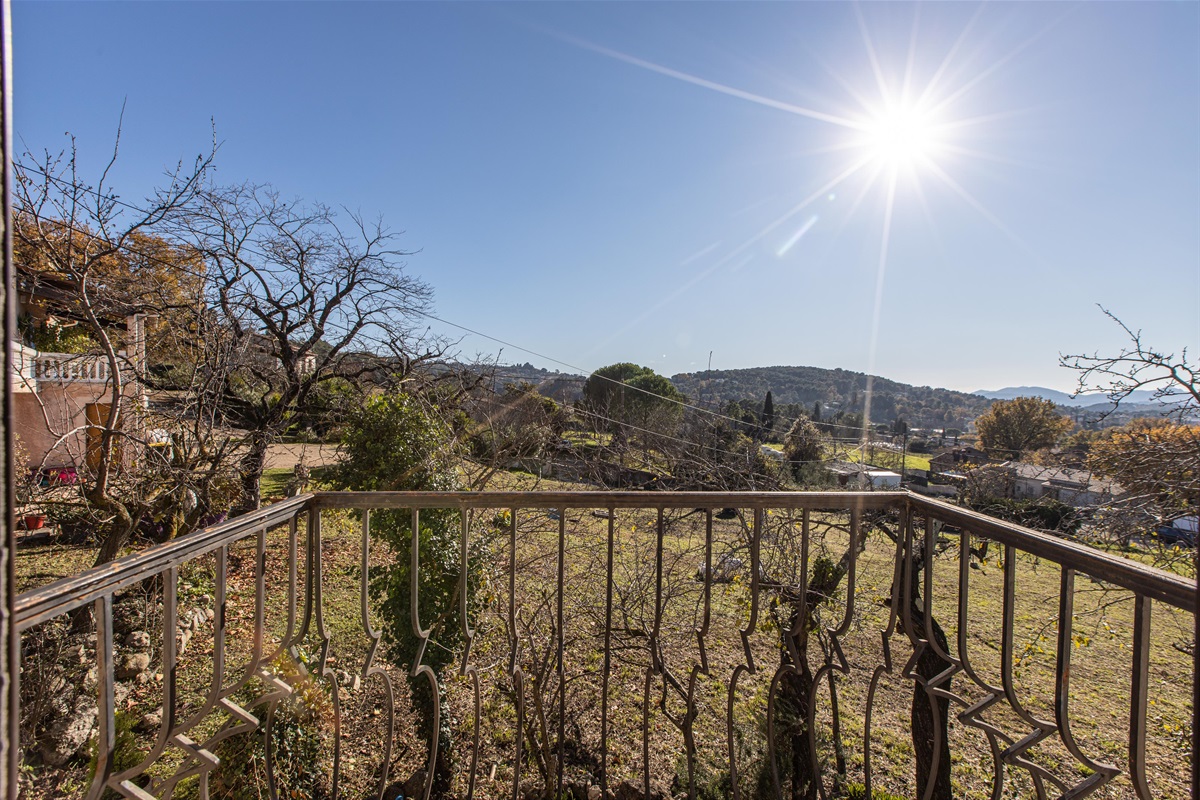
(580, 370)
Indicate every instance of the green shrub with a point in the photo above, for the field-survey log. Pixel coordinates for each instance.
(300, 743)
(856, 791)
(394, 443)
(127, 754)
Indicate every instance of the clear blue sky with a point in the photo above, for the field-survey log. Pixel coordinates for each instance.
(621, 182)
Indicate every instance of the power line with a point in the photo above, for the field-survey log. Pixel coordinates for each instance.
(861, 430)
(578, 369)
(686, 441)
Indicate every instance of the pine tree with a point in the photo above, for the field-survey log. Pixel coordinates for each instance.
(767, 420)
(816, 412)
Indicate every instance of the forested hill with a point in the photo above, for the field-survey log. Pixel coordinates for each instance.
(836, 390)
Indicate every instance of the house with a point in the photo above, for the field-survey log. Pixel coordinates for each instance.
(1020, 481)
(61, 400)
(867, 475)
(770, 453)
(1074, 487)
(957, 459)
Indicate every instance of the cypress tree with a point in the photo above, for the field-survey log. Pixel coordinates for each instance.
(767, 420)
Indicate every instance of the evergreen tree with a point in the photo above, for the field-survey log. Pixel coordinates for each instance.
(816, 412)
(767, 420)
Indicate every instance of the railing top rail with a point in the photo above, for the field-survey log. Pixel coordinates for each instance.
(1124, 572)
(67, 594)
(838, 501)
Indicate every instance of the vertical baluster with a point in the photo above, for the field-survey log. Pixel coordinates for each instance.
(106, 722)
(934, 685)
(323, 669)
(655, 667)
(836, 659)
(1101, 773)
(1137, 701)
(468, 637)
(514, 662)
(170, 629)
(418, 668)
(219, 624)
(1196, 686)
(971, 716)
(689, 738)
(608, 606)
(260, 599)
(1015, 752)
(561, 670)
(293, 571)
(374, 636)
(898, 571)
(747, 667)
(200, 761)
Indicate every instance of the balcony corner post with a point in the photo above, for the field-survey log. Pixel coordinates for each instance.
(10, 662)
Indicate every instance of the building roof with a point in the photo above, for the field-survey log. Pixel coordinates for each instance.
(1083, 480)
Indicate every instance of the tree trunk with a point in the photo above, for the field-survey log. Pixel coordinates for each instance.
(119, 530)
(793, 699)
(252, 467)
(925, 720)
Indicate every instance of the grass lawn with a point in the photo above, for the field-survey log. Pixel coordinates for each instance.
(275, 481)
(883, 458)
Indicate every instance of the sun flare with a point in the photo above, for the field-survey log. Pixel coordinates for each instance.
(902, 137)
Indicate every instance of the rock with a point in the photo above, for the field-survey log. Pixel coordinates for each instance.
(593, 793)
(138, 640)
(129, 615)
(151, 721)
(185, 637)
(67, 736)
(627, 790)
(415, 786)
(133, 665)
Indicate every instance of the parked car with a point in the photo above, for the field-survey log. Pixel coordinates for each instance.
(1181, 531)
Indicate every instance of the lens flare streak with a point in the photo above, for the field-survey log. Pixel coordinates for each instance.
(790, 243)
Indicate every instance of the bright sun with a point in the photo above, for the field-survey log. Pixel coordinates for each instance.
(901, 137)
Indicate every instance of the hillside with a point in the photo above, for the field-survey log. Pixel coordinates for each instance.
(836, 390)
(562, 386)
(1096, 401)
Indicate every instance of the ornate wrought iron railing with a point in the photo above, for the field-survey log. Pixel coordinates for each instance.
(622, 643)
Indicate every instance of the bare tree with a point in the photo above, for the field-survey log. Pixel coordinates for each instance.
(308, 300)
(1174, 379)
(1157, 462)
(514, 425)
(107, 261)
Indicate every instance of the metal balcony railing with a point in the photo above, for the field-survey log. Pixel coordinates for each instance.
(634, 644)
(68, 368)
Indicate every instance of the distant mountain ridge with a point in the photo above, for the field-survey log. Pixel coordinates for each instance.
(836, 390)
(1062, 398)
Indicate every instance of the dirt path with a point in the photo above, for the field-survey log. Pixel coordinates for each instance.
(286, 456)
